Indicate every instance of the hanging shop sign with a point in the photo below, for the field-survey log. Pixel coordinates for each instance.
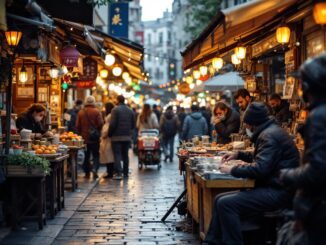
(54, 53)
(264, 45)
(250, 83)
(69, 56)
(89, 70)
(85, 84)
(184, 88)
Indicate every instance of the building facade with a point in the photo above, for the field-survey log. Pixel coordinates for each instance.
(159, 60)
(135, 32)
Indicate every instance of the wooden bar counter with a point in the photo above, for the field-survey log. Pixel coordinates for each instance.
(201, 194)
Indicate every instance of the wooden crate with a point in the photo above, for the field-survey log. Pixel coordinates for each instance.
(17, 171)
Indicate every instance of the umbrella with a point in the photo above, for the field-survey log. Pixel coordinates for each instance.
(227, 81)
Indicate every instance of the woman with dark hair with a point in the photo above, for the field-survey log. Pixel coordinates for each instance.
(106, 153)
(31, 119)
(147, 119)
(226, 122)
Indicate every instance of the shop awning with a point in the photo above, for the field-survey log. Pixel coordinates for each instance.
(246, 22)
(227, 81)
(129, 54)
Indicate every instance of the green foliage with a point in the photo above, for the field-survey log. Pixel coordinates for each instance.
(200, 14)
(99, 3)
(29, 160)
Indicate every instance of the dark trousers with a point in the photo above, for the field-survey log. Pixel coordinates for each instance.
(315, 226)
(168, 146)
(120, 152)
(231, 208)
(94, 149)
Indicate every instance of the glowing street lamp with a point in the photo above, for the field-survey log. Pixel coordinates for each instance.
(13, 38)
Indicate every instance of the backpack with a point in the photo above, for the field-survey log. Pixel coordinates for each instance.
(170, 127)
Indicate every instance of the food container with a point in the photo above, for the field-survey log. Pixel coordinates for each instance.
(17, 151)
(205, 140)
(25, 134)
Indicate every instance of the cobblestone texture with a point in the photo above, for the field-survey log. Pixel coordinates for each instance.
(129, 211)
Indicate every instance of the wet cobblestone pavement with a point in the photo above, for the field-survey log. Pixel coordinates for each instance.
(129, 211)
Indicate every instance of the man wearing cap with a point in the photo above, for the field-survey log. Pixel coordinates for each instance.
(274, 150)
(89, 124)
(309, 179)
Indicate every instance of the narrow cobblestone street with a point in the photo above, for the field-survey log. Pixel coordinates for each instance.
(129, 211)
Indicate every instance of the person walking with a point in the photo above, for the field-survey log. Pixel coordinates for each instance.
(121, 128)
(226, 122)
(89, 124)
(157, 112)
(106, 153)
(309, 178)
(274, 150)
(181, 117)
(73, 116)
(168, 128)
(147, 119)
(194, 124)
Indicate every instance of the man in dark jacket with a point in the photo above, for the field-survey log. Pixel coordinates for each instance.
(168, 128)
(194, 124)
(309, 178)
(181, 117)
(243, 100)
(208, 116)
(226, 122)
(274, 150)
(73, 116)
(120, 131)
(280, 109)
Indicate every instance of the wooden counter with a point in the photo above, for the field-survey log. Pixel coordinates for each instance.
(201, 194)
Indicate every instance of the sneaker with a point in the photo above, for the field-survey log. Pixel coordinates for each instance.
(87, 175)
(117, 177)
(125, 175)
(171, 159)
(108, 176)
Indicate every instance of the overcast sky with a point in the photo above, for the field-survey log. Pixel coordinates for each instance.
(153, 9)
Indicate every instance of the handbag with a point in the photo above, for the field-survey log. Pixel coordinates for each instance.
(93, 133)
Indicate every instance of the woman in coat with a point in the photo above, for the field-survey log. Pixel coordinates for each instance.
(147, 119)
(106, 153)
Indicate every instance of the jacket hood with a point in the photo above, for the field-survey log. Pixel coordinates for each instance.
(169, 115)
(196, 115)
(261, 128)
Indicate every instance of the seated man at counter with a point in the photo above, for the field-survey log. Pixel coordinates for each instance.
(280, 109)
(243, 99)
(226, 122)
(274, 150)
(31, 119)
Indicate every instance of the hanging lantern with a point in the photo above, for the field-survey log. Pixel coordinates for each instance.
(54, 72)
(196, 74)
(109, 59)
(125, 75)
(64, 70)
(69, 56)
(217, 63)
(129, 80)
(203, 70)
(104, 73)
(117, 71)
(235, 60)
(13, 37)
(283, 34)
(320, 13)
(23, 75)
(240, 52)
(189, 79)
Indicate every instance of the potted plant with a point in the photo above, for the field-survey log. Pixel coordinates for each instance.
(26, 164)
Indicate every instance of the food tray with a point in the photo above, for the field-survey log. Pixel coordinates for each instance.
(49, 155)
